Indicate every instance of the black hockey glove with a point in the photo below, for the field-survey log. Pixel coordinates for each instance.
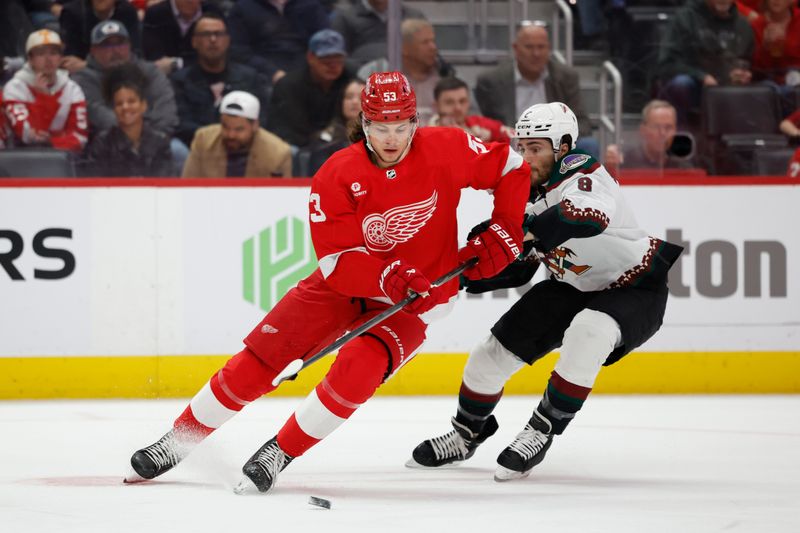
(517, 273)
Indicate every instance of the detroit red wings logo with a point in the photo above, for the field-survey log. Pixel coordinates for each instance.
(383, 231)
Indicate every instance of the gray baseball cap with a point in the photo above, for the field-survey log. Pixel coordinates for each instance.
(108, 28)
(327, 43)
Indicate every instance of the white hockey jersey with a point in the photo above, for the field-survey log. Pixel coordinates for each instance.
(585, 233)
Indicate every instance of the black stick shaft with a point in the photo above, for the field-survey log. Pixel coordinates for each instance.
(341, 341)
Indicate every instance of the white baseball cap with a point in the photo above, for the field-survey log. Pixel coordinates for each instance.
(42, 38)
(240, 104)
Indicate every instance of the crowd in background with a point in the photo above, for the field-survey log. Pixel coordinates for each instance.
(267, 88)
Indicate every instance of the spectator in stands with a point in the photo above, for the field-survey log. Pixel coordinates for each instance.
(363, 26)
(305, 100)
(776, 59)
(199, 88)
(272, 35)
(533, 77)
(238, 147)
(794, 165)
(422, 64)
(43, 106)
(591, 14)
(337, 134)
(111, 48)
(656, 135)
(749, 9)
(790, 126)
(707, 43)
(43, 13)
(131, 147)
(452, 104)
(79, 17)
(167, 32)
(3, 125)
(15, 26)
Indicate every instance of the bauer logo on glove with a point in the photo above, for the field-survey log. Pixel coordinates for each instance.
(503, 234)
(495, 248)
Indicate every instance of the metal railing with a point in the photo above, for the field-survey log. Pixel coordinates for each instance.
(555, 33)
(610, 122)
(478, 31)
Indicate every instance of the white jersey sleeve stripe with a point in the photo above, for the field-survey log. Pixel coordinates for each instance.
(513, 160)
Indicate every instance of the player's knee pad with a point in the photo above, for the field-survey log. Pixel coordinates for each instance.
(589, 339)
(357, 371)
(244, 378)
(489, 366)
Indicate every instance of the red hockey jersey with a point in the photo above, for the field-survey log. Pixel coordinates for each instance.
(362, 215)
(3, 133)
(61, 112)
(794, 165)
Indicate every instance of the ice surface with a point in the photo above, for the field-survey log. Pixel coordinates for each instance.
(627, 464)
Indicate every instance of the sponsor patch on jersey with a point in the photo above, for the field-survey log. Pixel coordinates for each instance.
(391, 174)
(572, 161)
(355, 187)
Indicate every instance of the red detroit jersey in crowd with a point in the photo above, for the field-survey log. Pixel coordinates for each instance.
(794, 165)
(408, 211)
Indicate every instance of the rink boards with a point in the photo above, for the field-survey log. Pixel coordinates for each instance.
(142, 290)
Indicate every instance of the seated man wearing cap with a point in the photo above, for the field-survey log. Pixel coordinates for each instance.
(238, 147)
(44, 107)
(78, 17)
(111, 47)
(304, 101)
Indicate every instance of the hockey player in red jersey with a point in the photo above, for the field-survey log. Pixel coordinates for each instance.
(605, 296)
(383, 221)
(43, 105)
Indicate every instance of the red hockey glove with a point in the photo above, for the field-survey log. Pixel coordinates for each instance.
(398, 278)
(494, 247)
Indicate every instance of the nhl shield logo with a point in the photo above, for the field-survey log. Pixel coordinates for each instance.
(391, 174)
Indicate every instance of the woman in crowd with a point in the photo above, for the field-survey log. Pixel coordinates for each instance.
(132, 147)
(335, 136)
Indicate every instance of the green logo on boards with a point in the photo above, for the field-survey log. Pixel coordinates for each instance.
(275, 260)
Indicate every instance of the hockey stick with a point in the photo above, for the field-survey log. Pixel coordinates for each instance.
(299, 364)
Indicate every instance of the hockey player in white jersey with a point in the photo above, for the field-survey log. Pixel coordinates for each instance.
(605, 296)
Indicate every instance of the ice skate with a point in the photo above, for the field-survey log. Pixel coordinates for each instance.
(451, 448)
(152, 461)
(262, 469)
(527, 450)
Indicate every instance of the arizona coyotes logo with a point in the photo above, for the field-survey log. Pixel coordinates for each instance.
(557, 262)
(383, 231)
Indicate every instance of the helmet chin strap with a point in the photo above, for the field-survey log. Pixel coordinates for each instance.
(556, 151)
(365, 126)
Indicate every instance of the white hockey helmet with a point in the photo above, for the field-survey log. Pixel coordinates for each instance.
(548, 121)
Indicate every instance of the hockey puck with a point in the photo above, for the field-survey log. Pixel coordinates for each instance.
(319, 502)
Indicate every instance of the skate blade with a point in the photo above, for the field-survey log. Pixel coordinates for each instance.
(245, 486)
(503, 474)
(411, 463)
(132, 477)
